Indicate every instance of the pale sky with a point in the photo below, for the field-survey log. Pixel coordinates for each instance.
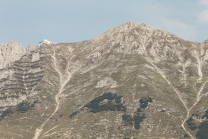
(31, 21)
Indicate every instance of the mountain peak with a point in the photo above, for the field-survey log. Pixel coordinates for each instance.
(125, 27)
(129, 25)
(118, 85)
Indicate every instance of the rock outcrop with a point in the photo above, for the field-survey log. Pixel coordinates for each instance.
(10, 52)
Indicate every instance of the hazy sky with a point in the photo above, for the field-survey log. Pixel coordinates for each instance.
(31, 21)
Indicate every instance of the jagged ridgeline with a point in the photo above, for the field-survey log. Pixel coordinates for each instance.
(132, 81)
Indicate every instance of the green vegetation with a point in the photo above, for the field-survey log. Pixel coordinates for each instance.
(190, 123)
(120, 107)
(95, 105)
(105, 107)
(205, 115)
(36, 101)
(203, 131)
(196, 115)
(108, 96)
(144, 101)
(127, 119)
(118, 99)
(138, 110)
(7, 112)
(23, 107)
(186, 136)
(73, 114)
(136, 120)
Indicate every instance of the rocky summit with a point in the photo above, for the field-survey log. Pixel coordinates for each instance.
(133, 81)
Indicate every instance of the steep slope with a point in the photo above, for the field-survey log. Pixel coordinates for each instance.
(156, 79)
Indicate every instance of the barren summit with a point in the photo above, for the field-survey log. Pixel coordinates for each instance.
(132, 81)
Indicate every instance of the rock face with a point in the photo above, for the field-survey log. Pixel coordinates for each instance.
(20, 71)
(10, 52)
(157, 83)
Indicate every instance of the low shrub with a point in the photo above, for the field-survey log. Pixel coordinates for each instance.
(72, 115)
(205, 115)
(144, 101)
(136, 120)
(7, 112)
(95, 105)
(203, 131)
(190, 123)
(127, 119)
(23, 107)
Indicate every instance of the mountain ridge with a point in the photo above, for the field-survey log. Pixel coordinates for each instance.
(159, 77)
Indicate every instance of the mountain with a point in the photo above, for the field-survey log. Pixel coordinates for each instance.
(133, 81)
